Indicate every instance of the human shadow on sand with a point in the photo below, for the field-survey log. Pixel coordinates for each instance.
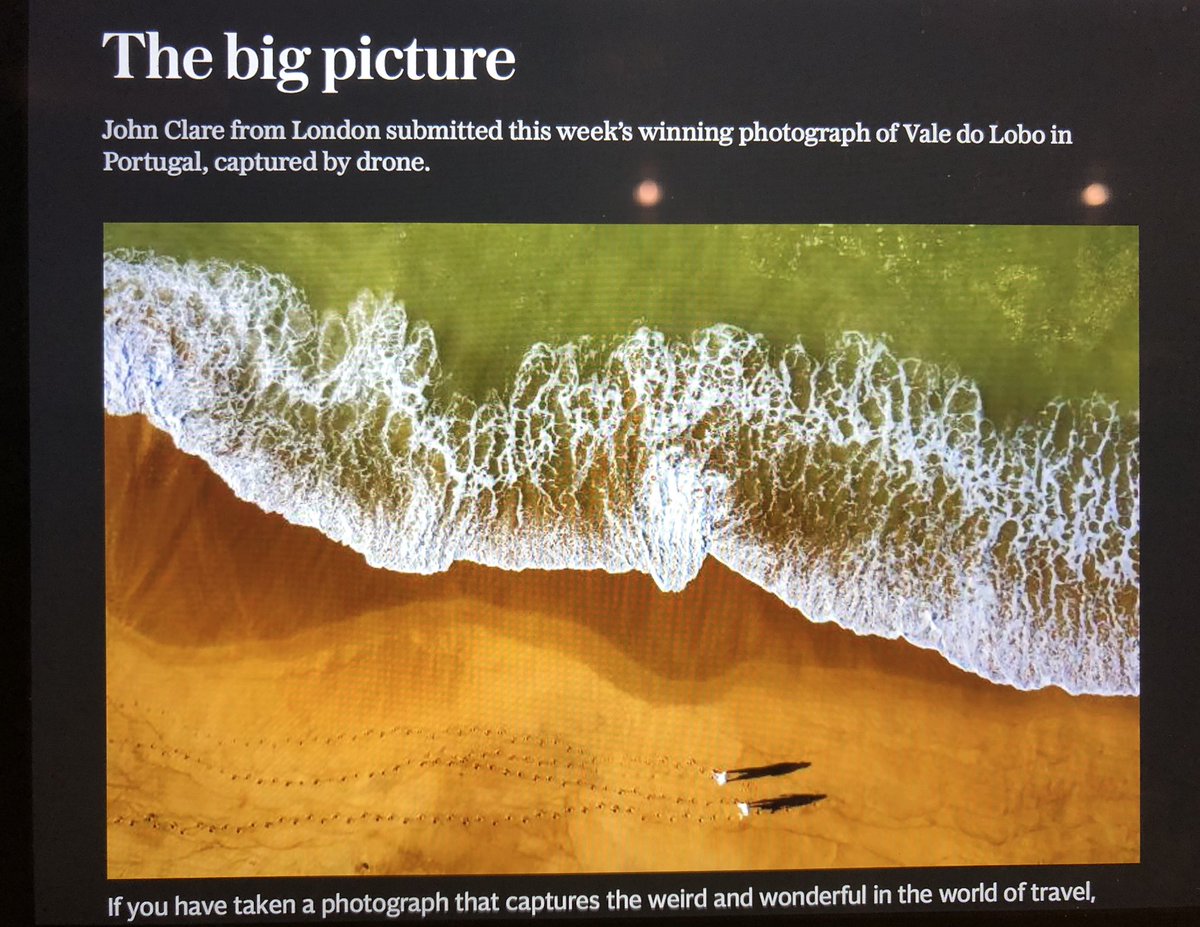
(784, 802)
(758, 772)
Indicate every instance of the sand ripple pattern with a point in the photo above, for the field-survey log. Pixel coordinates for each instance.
(859, 487)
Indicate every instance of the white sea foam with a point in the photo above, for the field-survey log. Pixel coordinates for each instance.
(859, 487)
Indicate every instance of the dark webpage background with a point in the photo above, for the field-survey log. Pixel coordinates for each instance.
(1122, 77)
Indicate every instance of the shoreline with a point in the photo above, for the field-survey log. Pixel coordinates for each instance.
(570, 720)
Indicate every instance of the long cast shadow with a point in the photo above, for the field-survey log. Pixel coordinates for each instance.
(784, 802)
(762, 772)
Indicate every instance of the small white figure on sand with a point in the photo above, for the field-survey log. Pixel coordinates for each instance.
(744, 808)
(720, 776)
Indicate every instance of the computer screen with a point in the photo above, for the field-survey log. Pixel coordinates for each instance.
(513, 461)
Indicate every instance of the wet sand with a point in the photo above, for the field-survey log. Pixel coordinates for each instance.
(276, 707)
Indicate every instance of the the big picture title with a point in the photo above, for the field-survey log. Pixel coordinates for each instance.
(146, 56)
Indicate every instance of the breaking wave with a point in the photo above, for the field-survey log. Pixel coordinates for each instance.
(859, 487)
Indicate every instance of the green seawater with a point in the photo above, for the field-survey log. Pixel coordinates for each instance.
(1028, 313)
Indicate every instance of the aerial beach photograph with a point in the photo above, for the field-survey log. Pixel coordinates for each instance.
(472, 549)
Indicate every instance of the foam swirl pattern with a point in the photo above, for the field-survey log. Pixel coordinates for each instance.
(859, 487)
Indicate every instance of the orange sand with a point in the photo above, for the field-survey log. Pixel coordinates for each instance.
(275, 706)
